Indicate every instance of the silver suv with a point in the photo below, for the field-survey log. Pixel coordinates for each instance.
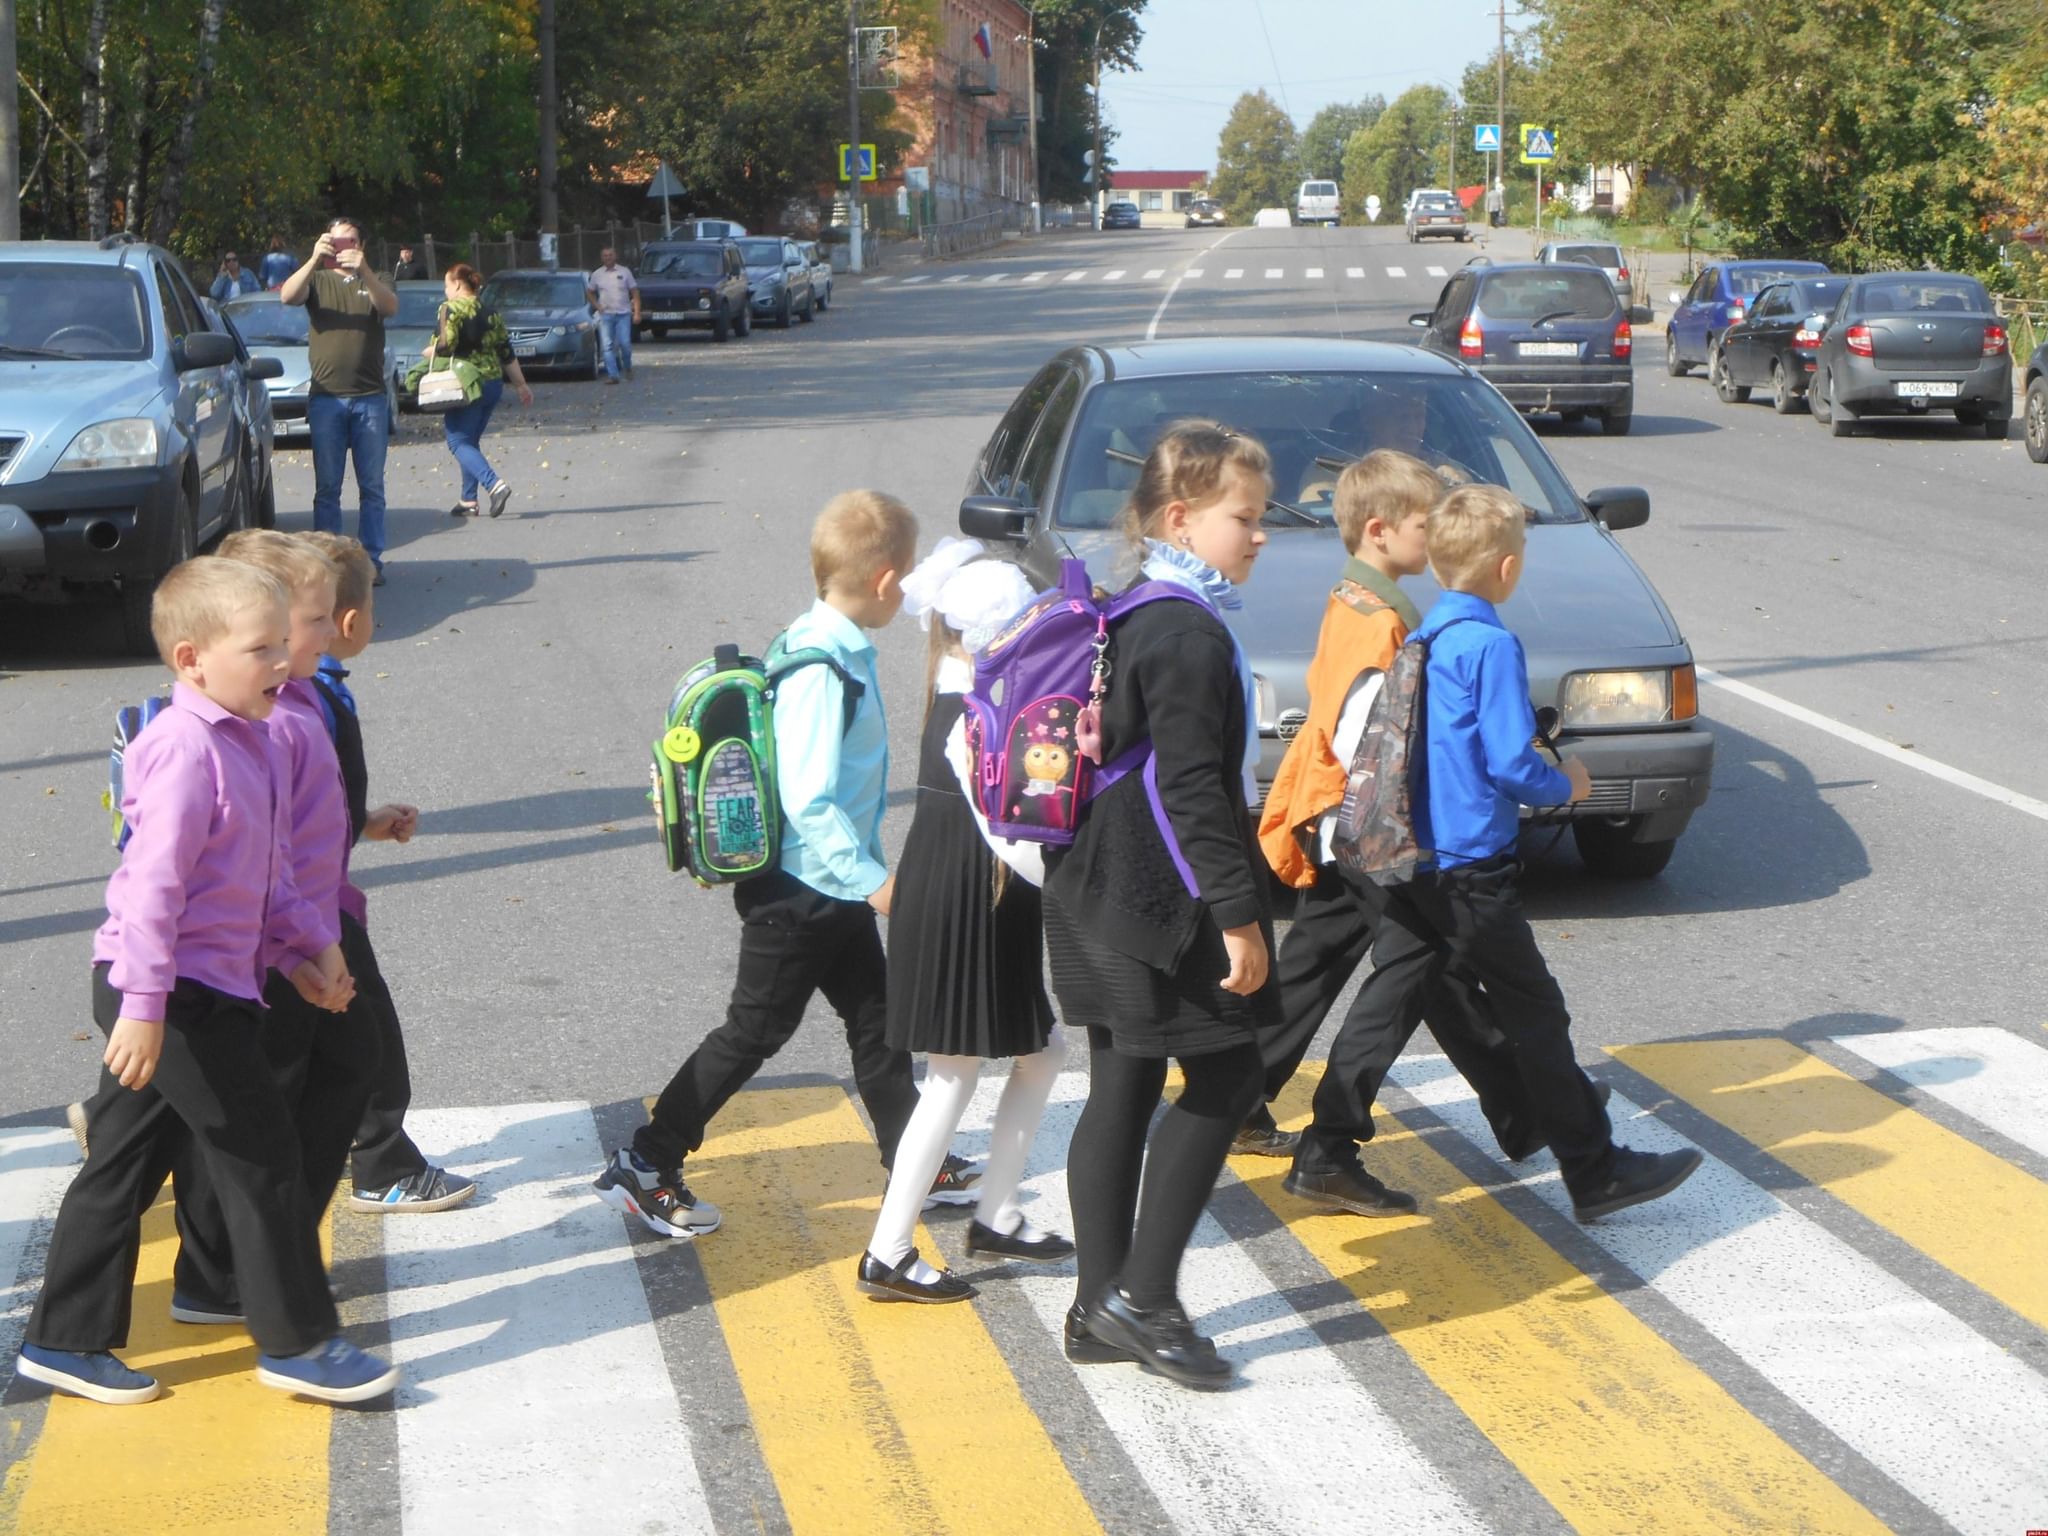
(126, 432)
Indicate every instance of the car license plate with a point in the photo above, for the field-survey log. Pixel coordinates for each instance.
(1547, 349)
(668, 314)
(1927, 389)
(526, 351)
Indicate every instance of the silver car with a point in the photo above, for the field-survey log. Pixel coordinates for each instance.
(1605, 654)
(1605, 255)
(408, 332)
(280, 331)
(779, 278)
(821, 270)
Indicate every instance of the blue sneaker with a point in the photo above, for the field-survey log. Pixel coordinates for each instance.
(97, 1375)
(186, 1309)
(337, 1372)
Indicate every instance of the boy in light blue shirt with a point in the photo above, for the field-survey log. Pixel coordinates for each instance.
(810, 925)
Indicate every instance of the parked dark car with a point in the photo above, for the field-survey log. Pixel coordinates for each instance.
(1121, 216)
(779, 279)
(1906, 343)
(1550, 338)
(1436, 214)
(1206, 213)
(127, 438)
(1718, 298)
(548, 318)
(1604, 651)
(1774, 345)
(2037, 404)
(694, 282)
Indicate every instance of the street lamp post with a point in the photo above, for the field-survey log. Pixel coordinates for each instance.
(1030, 106)
(853, 220)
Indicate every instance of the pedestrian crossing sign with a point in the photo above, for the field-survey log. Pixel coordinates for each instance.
(867, 162)
(1486, 138)
(1539, 144)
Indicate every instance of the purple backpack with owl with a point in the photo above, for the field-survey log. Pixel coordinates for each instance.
(1034, 715)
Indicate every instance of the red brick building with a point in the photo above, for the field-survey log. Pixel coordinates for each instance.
(968, 112)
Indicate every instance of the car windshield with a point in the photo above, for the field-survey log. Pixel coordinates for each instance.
(1910, 293)
(685, 263)
(1591, 255)
(761, 253)
(63, 313)
(267, 323)
(1436, 205)
(534, 292)
(1560, 293)
(1320, 189)
(1748, 281)
(419, 309)
(1313, 425)
(1814, 295)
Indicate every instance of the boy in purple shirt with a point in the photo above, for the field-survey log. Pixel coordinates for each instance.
(203, 902)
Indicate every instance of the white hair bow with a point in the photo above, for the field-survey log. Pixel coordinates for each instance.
(976, 596)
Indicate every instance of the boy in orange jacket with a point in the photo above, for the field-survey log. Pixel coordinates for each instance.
(1382, 508)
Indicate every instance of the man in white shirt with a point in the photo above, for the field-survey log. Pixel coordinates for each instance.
(615, 295)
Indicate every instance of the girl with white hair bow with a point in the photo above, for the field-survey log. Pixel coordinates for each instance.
(966, 979)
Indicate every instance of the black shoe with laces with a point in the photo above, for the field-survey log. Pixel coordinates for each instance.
(1635, 1178)
(1159, 1338)
(1349, 1189)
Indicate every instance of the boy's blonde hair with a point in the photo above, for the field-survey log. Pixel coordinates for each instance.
(859, 535)
(198, 599)
(354, 573)
(1385, 484)
(292, 561)
(1471, 530)
(1189, 463)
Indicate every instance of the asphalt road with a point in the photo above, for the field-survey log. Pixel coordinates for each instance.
(1888, 582)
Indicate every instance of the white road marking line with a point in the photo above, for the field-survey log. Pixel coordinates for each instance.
(957, 277)
(1035, 277)
(1155, 274)
(1305, 1479)
(1273, 272)
(524, 1328)
(1073, 277)
(1115, 276)
(37, 1164)
(1233, 274)
(1435, 271)
(922, 277)
(1354, 271)
(1397, 271)
(995, 277)
(1191, 272)
(1926, 1399)
(1313, 272)
(882, 279)
(1996, 1078)
(2027, 805)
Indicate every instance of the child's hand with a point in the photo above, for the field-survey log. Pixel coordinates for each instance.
(882, 898)
(1246, 947)
(133, 1050)
(392, 823)
(324, 980)
(1582, 781)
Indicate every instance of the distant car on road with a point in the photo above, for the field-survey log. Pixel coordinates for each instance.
(1774, 345)
(1604, 254)
(2037, 404)
(1605, 653)
(1718, 298)
(1121, 216)
(126, 436)
(1316, 202)
(279, 331)
(548, 318)
(780, 279)
(1905, 343)
(694, 282)
(821, 270)
(1272, 218)
(1436, 215)
(1550, 338)
(408, 332)
(1206, 213)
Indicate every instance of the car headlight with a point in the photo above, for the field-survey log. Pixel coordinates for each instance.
(774, 279)
(584, 325)
(1653, 696)
(558, 330)
(129, 443)
(703, 301)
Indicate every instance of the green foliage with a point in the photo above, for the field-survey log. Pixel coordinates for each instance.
(1402, 151)
(1069, 31)
(1255, 158)
(1323, 140)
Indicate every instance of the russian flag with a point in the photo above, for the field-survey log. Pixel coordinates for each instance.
(983, 41)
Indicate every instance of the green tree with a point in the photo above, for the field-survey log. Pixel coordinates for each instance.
(1402, 151)
(1069, 33)
(1255, 157)
(1323, 140)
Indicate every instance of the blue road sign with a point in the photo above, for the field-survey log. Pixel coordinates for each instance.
(1485, 138)
(1538, 144)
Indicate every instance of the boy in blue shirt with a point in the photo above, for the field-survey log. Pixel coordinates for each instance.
(1464, 907)
(809, 926)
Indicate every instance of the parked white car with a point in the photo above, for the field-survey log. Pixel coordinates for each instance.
(1316, 203)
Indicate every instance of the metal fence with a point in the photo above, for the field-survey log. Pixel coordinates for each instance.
(576, 250)
(2026, 326)
(966, 235)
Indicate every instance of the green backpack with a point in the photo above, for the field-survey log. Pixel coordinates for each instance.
(714, 792)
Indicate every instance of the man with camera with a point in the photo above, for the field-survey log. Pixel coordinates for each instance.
(347, 409)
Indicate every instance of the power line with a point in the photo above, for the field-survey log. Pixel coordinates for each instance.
(1259, 9)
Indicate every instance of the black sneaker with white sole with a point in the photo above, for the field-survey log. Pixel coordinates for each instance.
(662, 1201)
(958, 1183)
(431, 1189)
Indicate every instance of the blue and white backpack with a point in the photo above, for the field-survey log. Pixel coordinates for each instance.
(129, 723)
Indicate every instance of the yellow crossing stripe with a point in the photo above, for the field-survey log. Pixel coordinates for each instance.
(216, 1455)
(1920, 1181)
(1607, 1420)
(870, 1416)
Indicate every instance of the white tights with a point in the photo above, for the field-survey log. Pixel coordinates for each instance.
(948, 1085)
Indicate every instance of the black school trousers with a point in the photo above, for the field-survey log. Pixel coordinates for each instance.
(384, 1154)
(213, 1088)
(1470, 919)
(794, 942)
(1332, 932)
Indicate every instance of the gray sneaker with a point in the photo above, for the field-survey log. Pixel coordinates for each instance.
(662, 1201)
(431, 1189)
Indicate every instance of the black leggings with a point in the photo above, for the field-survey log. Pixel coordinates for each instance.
(1132, 1237)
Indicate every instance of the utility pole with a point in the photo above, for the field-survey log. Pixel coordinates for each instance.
(1500, 113)
(10, 130)
(1030, 105)
(853, 253)
(549, 217)
(1095, 208)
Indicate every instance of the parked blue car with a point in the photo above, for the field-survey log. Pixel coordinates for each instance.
(1719, 298)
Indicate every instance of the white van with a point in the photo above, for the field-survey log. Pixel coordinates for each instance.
(1316, 203)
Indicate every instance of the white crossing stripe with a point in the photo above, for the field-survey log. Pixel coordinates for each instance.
(1397, 271)
(1112, 277)
(1928, 1401)
(521, 1321)
(1306, 1479)
(995, 277)
(1272, 272)
(1192, 272)
(881, 279)
(36, 1167)
(1073, 277)
(1434, 271)
(1995, 1077)
(922, 277)
(1234, 274)
(957, 277)
(1313, 272)
(1155, 274)
(1354, 271)
(1035, 277)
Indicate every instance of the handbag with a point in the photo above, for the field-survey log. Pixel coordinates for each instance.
(448, 384)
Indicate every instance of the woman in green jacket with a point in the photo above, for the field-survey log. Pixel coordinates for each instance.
(476, 335)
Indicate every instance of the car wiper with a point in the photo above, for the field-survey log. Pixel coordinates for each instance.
(1556, 314)
(1301, 519)
(1123, 458)
(37, 352)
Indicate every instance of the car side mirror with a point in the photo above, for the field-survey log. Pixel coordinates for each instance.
(1002, 518)
(1420, 320)
(202, 349)
(1674, 297)
(265, 368)
(1619, 506)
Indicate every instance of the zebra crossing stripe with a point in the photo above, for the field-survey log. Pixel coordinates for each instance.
(922, 277)
(957, 277)
(1193, 272)
(550, 1346)
(1073, 277)
(1034, 277)
(1274, 272)
(871, 281)
(1354, 271)
(1899, 1169)
(1313, 273)
(1155, 274)
(1233, 274)
(1397, 271)
(1466, 1288)
(36, 1166)
(1823, 1324)
(1996, 1078)
(1113, 277)
(995, 277)
(1434, 271)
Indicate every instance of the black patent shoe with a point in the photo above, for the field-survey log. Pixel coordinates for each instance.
(1083, 1348)
(1349, 1189)
(1523, 1151)
(1159, 1338)
(1046, 1248)
(878, 1280)
(1636, 1177)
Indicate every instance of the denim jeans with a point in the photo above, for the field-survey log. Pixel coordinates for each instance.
(615, 333)
(345, 425)
(464, 429)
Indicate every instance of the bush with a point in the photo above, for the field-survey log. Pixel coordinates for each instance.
(1655, 203)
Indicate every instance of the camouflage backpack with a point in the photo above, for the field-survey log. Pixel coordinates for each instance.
(1375, 833)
